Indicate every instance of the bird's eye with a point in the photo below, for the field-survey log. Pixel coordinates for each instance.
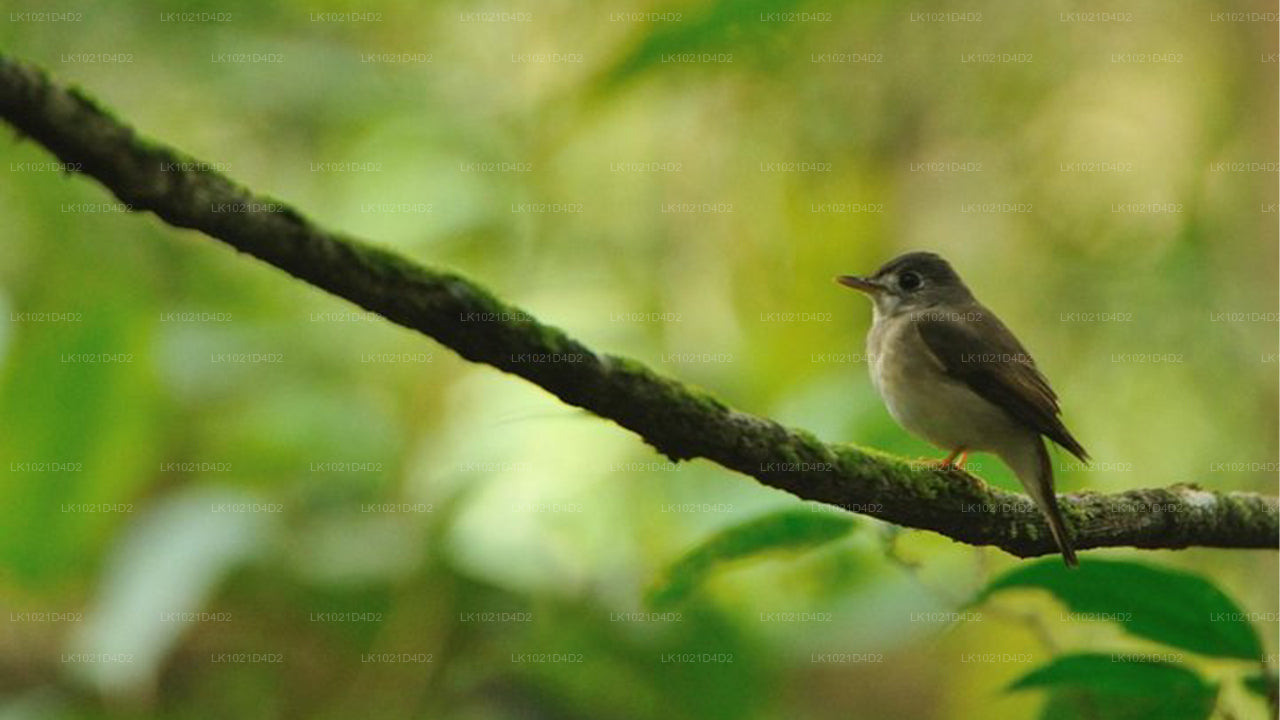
(910, 281)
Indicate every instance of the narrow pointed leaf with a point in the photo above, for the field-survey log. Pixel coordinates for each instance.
(785, 530)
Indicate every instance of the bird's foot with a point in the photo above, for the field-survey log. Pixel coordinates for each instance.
(954, 461)
(957, 458)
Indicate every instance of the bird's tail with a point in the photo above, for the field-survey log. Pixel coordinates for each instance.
(1034, 469)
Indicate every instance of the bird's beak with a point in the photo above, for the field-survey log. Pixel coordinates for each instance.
(861, 284)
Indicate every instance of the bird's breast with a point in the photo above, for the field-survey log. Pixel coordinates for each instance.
(926, 401)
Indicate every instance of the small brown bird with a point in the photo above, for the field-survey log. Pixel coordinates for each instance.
(950, 372)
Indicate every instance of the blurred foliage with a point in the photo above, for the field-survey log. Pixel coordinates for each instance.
(1174, 608)
(1097, 686)
(368, 526)
(1177, 609)
(783, 530)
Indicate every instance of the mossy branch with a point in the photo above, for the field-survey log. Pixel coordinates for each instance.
(680, 422)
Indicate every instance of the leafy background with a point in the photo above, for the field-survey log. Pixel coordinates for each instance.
(522, 506)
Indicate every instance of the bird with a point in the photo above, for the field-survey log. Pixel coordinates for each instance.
(950, 372)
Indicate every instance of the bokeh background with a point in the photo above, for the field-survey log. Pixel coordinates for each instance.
(227, 494)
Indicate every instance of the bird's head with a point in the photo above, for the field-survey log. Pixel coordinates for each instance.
(910, 282)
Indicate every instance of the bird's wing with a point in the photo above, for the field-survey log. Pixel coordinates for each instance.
(975, 348)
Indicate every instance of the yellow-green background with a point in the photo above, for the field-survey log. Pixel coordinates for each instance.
(479, 447)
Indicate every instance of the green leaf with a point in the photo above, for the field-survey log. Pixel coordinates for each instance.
(1108, 687)
(729, 28)
(93, 425)
(1262, 684)
(784, 530)
(1169, 606)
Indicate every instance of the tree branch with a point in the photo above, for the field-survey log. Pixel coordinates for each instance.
(680, 422)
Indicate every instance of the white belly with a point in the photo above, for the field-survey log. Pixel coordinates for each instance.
(925, 401)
